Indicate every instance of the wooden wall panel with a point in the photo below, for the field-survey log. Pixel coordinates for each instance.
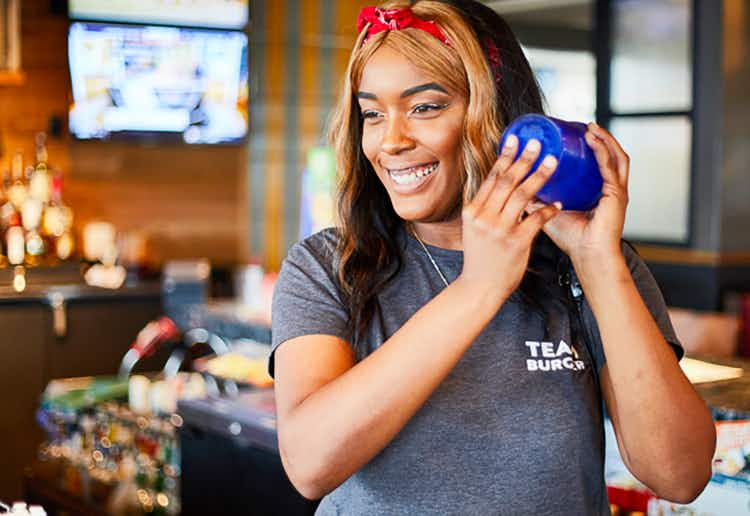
(25, 109)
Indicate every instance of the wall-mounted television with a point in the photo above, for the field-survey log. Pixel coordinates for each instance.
(138, 80)
(223, 14)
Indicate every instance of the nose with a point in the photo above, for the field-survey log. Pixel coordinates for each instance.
(396, 138)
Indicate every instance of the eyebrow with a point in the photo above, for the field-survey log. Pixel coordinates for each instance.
(407, 92)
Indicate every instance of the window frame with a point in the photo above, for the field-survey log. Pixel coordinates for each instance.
(603, 36)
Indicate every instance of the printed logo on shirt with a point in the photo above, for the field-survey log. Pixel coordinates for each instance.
(545, 356)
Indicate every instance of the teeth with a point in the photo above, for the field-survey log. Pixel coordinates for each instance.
(414, 175)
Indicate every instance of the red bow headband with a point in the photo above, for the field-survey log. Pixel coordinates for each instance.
(395, 19)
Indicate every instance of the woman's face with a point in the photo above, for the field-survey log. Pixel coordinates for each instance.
(412, 134)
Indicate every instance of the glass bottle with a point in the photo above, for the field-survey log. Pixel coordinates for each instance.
(31, 215)
(17, 192)
(39, 183)
(4, 216)
(57, 222)
(15, 241)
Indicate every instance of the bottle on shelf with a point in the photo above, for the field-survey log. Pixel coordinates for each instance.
(17, 191)
(39, 182)
(4, 216)
(4, 183)
(57, 222)
(31, 217)
(6, 207)
(15, 241)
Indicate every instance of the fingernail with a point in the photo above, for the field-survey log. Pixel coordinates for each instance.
(594, 124)
(511, 141)
(549, 161)
(533, 145)
(558, 205)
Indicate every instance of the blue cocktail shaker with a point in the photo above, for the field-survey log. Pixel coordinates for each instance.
(577, 182)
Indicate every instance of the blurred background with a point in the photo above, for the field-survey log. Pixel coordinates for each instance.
(159, 158)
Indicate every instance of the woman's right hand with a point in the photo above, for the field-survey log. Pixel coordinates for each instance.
(496, 237)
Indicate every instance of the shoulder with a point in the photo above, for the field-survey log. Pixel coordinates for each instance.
(311, 263)
(319, 248)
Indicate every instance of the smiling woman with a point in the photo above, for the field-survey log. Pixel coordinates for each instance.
(428, 355)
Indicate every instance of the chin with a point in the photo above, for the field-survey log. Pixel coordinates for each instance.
(410, 211)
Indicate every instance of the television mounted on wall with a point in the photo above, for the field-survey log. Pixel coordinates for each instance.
(175, 82)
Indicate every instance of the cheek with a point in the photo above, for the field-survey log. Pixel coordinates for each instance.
(369, 143)
(447, 143)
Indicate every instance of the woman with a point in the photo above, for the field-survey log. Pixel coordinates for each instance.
(427, 358)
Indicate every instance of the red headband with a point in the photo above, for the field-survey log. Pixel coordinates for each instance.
(395, 19)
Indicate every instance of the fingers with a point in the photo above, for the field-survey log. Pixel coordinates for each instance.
(603, 158)
(509, 179)
(532, 224)
(507, 155)
(621, 158)
(526, 192)
(480, 198)
(535, 205)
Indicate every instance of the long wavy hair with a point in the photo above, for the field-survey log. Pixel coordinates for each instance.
(368, 256)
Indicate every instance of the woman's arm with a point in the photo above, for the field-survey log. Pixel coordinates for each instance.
(344, 423)
(665, 432)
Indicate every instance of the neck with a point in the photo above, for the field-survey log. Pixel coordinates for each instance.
(447, 234)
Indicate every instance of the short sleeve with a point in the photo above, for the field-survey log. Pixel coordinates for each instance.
(306, 299)
(652, 298)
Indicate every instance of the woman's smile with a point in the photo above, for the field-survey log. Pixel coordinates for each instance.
(411, 179)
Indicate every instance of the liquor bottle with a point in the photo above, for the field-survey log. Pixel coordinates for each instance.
(17, 192)
(15, 241)
(4, 217)
(31, 218)
(4, 182)
(35, 245)
(39, 182)
(57, 222)
(6, 207)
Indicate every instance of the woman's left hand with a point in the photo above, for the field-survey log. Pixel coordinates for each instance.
(597, 233)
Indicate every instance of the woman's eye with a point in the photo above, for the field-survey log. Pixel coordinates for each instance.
(370, 114)
(426, 108)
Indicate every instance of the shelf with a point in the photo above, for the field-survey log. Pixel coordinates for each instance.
(12, 78)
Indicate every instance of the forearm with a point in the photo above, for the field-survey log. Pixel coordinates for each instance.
(666, 430)
(342, 426)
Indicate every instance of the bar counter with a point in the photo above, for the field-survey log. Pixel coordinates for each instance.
(78, 292)
(730, 398)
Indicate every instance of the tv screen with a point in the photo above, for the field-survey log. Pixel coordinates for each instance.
(225, 14)
(145, 80)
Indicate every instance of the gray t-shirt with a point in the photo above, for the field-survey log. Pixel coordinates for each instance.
(515, 428)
